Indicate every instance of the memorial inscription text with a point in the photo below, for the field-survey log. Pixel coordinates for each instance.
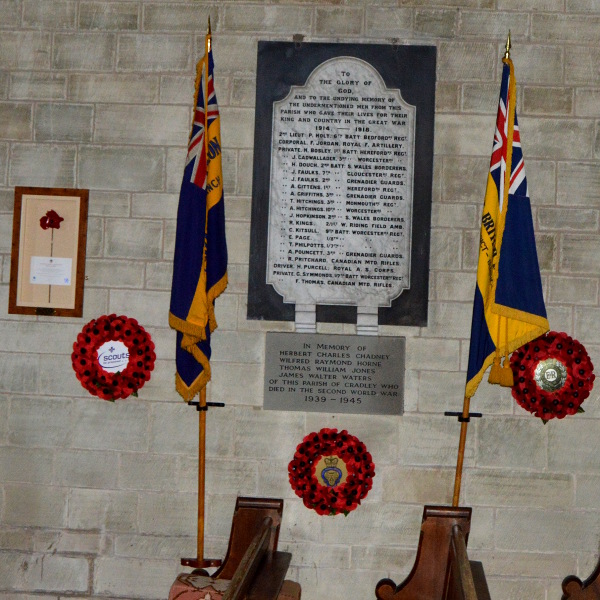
(340, 206)
(334, 373)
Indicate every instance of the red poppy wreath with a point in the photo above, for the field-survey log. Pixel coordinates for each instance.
(113, 357)
(332, 472)
(553, 375)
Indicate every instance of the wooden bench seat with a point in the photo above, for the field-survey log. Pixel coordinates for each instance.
(442, 569)
(253, 568)
(575, 589)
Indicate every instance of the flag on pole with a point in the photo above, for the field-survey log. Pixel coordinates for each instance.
(200, 262)
(509, 308)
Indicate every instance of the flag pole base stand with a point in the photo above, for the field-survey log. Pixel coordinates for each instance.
(201, 563)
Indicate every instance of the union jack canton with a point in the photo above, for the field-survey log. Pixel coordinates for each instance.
(518, 180)
(197, 146)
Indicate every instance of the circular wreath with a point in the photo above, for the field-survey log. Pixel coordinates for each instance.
(553, 375)
(332, 472)
(101, 382)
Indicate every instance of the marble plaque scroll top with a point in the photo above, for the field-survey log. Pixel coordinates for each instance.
(342, 181)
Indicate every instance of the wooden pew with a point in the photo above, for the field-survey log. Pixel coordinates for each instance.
(253, 568)
(261, 571)
(442, 569)
(575, 589)
(247, 520)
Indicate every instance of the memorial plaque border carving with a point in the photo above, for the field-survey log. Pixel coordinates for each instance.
(284, 64)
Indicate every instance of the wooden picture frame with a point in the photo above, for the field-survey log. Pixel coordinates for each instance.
(47, 268)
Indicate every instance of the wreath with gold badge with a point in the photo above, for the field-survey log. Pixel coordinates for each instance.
(331, 471)
(553, 375)
(113, 357)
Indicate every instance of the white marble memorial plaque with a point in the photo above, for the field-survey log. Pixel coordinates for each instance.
(341, 188)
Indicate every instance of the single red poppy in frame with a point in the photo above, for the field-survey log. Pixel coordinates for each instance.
(51, 220)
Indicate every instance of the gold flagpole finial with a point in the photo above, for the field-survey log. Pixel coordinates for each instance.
(507, 50)
(208, 35)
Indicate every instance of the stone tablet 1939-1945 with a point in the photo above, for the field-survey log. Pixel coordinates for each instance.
(334, 373)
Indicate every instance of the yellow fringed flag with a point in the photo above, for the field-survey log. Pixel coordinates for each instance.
(200, 262)
(509, 308)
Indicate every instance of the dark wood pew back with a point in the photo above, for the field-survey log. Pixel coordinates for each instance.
(247, 521)
(253, 566)
(461, 585)
(575, 589)
(442, 570)
(257, 557)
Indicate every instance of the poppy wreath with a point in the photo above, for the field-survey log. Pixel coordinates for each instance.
(103, 383)
(332, 472)
(553, 375)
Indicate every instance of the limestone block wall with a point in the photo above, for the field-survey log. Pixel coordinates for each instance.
(97, 94)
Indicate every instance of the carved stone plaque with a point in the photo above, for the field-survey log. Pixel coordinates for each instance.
(340, 205)
(341, 199)
(334, 373)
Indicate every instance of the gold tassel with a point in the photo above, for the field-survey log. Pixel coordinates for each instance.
(506, 374)
(495, 371)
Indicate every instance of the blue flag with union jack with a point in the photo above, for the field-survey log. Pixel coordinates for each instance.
(200, 261)
(509, 308)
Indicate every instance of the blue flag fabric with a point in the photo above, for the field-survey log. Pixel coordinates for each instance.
(509, 309)
(200, 261)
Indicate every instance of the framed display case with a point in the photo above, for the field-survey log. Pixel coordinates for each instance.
(48, 251)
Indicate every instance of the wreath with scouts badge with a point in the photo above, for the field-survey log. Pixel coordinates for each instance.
(113, 357)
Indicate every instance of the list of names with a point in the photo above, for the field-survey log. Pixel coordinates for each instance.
(340, 206)
(334, 373)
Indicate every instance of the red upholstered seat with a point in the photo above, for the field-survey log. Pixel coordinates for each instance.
(188, 586)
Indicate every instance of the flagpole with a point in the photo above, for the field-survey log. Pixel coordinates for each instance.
(200, 562)
(201, 472)
(202, 406)
(464, 423)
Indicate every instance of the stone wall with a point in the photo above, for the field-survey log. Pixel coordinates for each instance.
(97, 95)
